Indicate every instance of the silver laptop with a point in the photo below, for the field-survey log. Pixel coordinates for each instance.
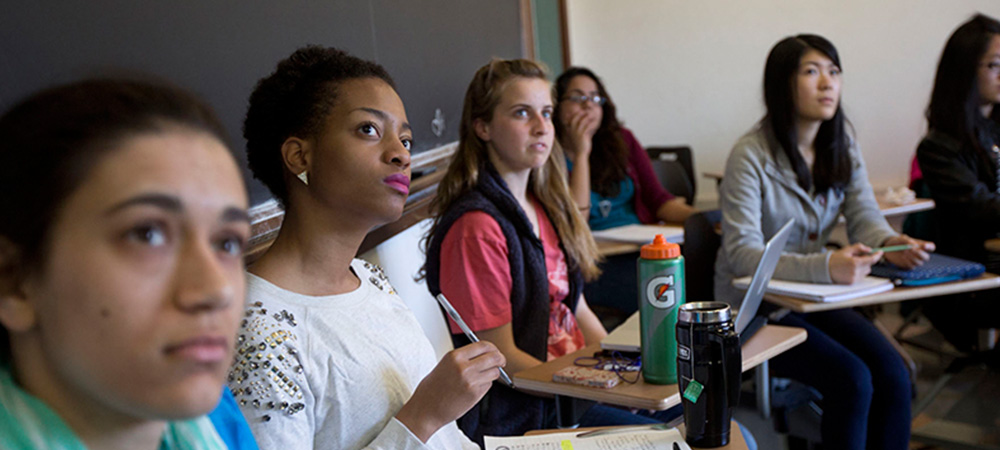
(761, 276)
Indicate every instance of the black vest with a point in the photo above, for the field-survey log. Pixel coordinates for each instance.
(504, 411)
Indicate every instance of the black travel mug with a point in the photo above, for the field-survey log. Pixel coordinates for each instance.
(709, 365)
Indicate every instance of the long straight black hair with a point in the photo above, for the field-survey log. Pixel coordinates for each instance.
(955, 100)
(832, 167)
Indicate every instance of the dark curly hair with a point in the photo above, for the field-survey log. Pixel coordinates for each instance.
(609, 159)
(294, 101)
(52, 140)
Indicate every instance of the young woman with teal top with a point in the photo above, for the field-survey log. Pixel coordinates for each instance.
(610, 179)
(121, 271)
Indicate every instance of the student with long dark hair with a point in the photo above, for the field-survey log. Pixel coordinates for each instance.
(801, 163)
(610, 178)
(329, 355)
(121, 270)
(960, 159)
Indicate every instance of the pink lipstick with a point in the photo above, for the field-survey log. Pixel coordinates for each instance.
(398, 182)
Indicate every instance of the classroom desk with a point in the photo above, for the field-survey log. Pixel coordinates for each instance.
(888, 209)
(612, 248)
(769, 342)
(982, 282)
(736, 441)
(893, 210)
(716, 176)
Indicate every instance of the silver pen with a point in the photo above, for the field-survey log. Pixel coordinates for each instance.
(468, 332)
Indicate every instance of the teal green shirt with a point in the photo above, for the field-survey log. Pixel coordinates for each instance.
(610, 212)
(27, 423)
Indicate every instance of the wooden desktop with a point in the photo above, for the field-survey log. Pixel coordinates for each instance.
(770, 341)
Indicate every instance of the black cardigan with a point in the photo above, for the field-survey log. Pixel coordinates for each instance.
(963, 184)
(504, 411)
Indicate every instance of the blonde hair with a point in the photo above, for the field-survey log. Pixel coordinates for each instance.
(546, 183)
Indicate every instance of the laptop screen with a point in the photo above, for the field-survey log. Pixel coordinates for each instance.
(761, 276)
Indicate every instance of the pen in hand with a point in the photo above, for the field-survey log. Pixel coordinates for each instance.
(892, 248)
(468, 332)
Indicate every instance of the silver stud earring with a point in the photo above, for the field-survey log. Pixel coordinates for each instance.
(304, 176)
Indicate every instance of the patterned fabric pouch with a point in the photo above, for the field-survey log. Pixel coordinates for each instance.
(939, 269)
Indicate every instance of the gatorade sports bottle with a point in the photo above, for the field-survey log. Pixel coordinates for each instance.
(661, 292)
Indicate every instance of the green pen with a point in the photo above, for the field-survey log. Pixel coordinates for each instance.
(893, 248)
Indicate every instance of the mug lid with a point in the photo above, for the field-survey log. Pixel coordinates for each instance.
(705, 312)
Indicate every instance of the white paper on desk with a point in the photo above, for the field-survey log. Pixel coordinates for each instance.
(626, 440)
(641, 234)
(822, 292)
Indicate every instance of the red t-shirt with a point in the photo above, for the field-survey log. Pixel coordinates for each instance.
(475, 277)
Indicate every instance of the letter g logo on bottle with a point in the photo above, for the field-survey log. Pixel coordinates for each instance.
(660, 292)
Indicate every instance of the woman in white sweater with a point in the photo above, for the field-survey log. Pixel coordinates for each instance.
(328, 355)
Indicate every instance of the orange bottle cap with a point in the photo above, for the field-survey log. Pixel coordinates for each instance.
(660, 249)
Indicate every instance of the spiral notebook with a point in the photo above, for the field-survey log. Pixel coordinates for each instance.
(823, 292)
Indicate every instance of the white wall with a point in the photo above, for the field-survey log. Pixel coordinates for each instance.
(690, 72)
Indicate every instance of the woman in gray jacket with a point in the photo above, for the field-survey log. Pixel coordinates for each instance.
(799, 162)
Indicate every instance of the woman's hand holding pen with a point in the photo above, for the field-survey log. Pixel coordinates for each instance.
(454, 386)
(908, 259)
(852, 263)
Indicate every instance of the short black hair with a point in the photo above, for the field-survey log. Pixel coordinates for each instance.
(832, 168)
(52, 140)
(294, 101)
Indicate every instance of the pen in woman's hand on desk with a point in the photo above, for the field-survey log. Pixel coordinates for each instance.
(892, 248)
(468, 332)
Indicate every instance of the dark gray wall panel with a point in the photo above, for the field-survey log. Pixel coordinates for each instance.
(219, 48)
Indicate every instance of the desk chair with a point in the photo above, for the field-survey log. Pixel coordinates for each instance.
(401, 259)
(674, 167)
(701, 244)
(922, 225)
(702, 239)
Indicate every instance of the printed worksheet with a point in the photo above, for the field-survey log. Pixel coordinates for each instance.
(625, 439)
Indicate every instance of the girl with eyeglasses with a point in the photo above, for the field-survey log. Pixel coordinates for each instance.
(800, 162)
(121, 271)
(610, 178)
(960, 159)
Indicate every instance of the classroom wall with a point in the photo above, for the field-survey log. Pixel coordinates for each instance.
(690, 72)
(219, 49)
